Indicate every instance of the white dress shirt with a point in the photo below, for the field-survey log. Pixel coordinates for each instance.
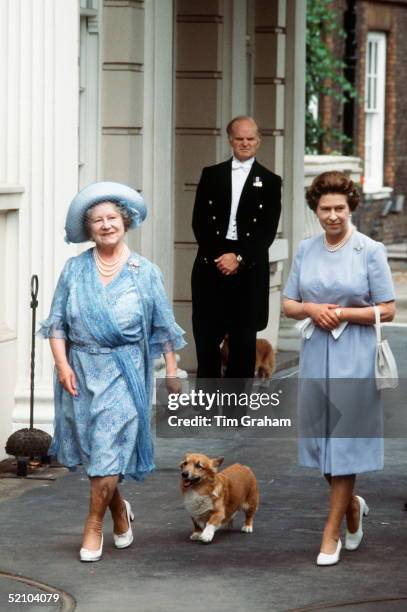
(240, 172)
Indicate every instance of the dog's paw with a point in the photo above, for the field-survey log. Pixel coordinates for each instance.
(195, 535)
(247, 528)
(205, 538)
(207, 535)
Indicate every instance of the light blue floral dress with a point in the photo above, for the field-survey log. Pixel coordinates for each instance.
(113, 334)
(355, 275)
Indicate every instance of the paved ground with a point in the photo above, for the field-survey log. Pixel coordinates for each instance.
(271, 570)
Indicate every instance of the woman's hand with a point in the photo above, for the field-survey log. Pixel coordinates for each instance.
(67, 378)
(323, 315)
(173, 384)
(66, 375)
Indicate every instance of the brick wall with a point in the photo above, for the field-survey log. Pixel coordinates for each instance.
(389, 229)
(390, 17)
(400, 139)
(390, 123)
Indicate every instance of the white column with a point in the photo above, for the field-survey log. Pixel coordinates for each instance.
(293, 203)
(293, 193)
(240, 103)
(48, 169)
(234, 97)
(157, 234)
(10, 202)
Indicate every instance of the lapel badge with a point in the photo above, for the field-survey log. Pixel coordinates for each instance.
(358, 246)
(257, 182)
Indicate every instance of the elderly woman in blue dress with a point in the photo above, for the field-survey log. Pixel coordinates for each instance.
(109, 319)
(335, 280)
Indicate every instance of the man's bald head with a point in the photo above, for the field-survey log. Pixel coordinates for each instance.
(239, 119)
(244, 137)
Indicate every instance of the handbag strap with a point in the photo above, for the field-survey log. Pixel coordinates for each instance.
(378, 324)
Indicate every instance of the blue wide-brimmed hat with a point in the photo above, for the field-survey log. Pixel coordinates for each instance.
(105, 191)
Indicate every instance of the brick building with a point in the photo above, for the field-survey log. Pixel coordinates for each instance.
(374, 51)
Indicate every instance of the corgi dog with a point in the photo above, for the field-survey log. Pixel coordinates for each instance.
(265, 357)
(213, 498)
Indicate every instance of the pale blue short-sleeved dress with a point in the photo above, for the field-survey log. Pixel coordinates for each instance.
(355, 275)
(99, 428)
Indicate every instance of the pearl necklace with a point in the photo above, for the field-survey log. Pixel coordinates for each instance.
(335, 247)
(108, 269)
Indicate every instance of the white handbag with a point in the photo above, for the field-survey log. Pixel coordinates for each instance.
(386, 372)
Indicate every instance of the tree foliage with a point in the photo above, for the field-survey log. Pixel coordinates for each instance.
(325, 74)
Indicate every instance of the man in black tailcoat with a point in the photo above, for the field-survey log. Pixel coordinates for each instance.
(235, 220)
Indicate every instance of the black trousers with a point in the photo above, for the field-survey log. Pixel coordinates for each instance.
(220, 306)
(242, 351)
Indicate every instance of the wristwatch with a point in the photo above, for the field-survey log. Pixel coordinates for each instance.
(338, 312)
(239, 258)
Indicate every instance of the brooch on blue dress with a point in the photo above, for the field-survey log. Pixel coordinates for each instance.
(135, 264)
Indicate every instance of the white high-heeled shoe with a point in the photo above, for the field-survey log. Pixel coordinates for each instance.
(88, 556)
(125, 539)
(352, 540)
(332, 558)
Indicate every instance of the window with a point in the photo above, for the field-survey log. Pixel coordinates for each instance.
(374, 110)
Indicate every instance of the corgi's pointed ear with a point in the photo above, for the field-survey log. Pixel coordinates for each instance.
(217, 461)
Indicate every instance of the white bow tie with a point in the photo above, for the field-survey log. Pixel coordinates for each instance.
(236, 165)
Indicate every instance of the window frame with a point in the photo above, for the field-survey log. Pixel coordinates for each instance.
(374, 109)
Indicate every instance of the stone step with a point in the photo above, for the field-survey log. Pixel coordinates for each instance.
(285, 360)
(397, 251)
(288, 337)
(397, 254)
(398, 264)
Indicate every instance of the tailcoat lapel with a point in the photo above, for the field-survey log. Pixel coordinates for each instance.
(247, 191)
(226, 187)
(248, 183)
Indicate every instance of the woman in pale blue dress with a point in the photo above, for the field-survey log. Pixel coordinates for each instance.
(109, 319)
(334, 281)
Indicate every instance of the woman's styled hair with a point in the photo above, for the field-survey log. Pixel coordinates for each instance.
(332, 182)
(127, 218)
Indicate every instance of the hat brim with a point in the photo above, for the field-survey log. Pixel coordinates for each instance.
(96, 193)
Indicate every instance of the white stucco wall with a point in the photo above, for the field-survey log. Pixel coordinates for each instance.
(39, 163)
